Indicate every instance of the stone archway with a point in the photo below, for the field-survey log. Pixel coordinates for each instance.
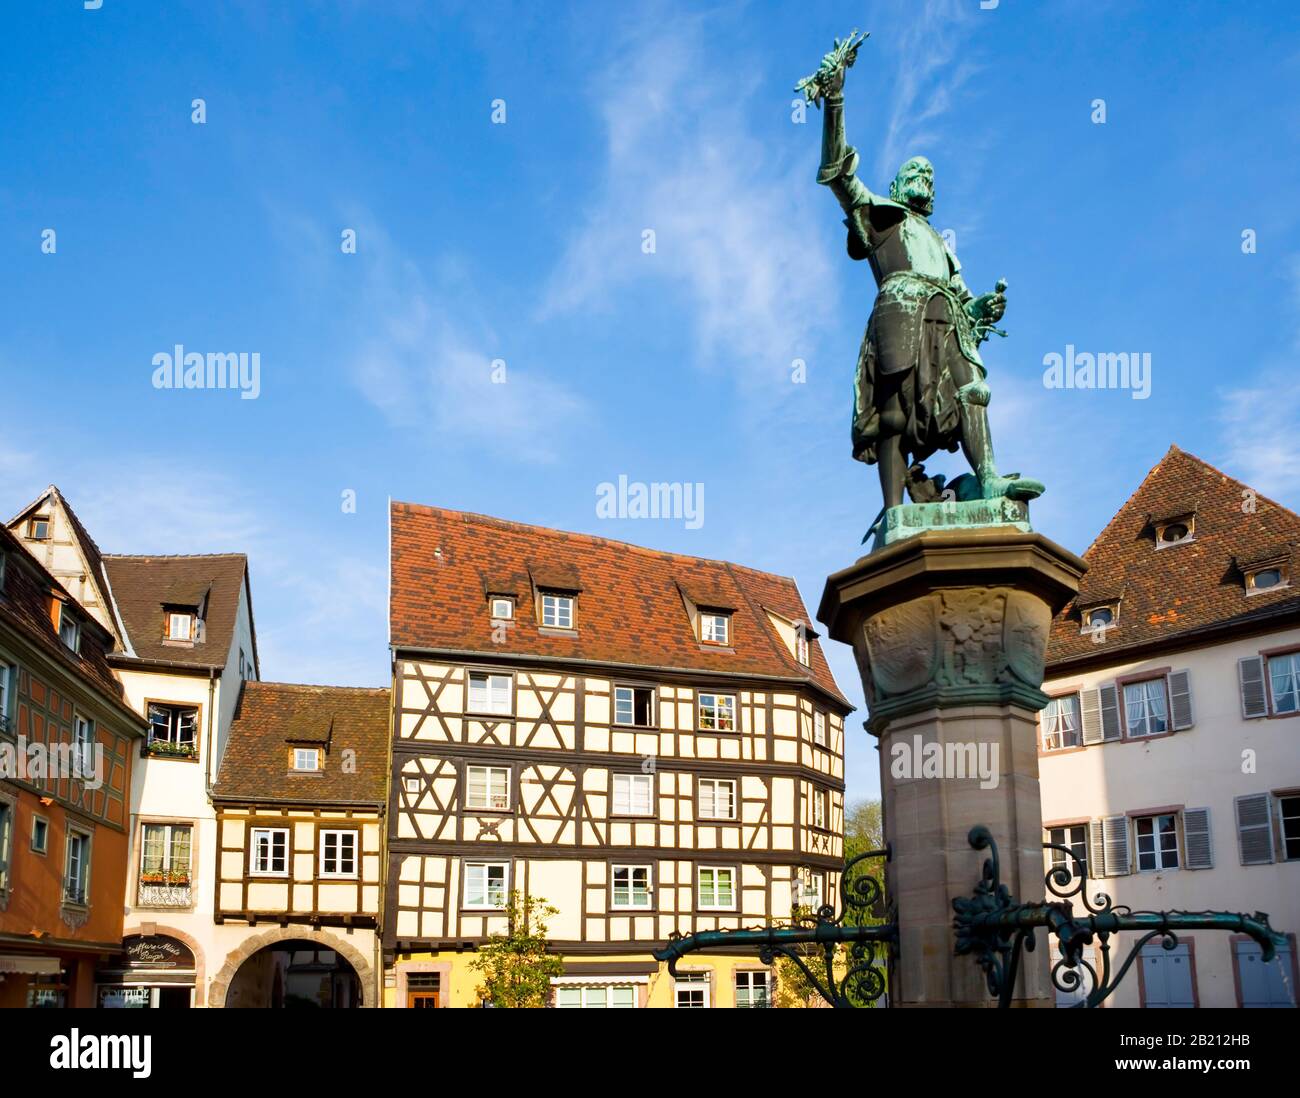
(148, 930)
(354, 957)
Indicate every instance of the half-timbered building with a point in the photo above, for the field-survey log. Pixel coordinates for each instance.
(183, 642)
(300, 803)
(68, 744)
(650, 742)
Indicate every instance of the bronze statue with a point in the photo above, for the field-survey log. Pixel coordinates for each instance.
(920, 383)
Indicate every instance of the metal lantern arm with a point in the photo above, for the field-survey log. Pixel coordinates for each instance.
(862, 979)
(993, 927)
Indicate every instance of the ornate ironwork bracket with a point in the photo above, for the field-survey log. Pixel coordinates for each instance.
(857, 980)
(994, 927)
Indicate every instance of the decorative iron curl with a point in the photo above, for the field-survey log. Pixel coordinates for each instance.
(995, 928)
(861, 981)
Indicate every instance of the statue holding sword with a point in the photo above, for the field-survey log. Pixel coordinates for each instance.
(920, 382)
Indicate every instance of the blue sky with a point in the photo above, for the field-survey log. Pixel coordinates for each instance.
(522, 242)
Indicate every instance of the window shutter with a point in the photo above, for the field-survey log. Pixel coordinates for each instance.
(1254, 829)
(1090, 712)
(1110, 713)
(1196, 832)
(1250, 674)
(1180, 700)
(1114, 830)
(1097, 851)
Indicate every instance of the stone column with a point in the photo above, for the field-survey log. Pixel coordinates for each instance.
(950, 631)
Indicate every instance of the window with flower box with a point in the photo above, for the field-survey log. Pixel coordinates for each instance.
(165, 870)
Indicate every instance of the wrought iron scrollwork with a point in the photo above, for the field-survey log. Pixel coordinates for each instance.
(813, 941)
(995, 928)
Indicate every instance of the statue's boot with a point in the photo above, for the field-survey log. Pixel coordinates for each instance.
(1013, 486)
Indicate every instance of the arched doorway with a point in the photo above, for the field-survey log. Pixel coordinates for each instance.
(294, 969)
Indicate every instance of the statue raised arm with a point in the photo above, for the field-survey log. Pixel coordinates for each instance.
(920, 382)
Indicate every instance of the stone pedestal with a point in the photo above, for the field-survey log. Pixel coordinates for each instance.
(950, 632)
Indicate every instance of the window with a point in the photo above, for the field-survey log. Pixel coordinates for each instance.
(634, 705)
(633, 794)
(76, 869)
(1075, 837)
(1157, 843)
(1284, 682)
(631, 887)
(38, 528)
(819, 728)
(753, 990)
(69, 629)
(1288, 811)
(717, 797)
(1099, 618)
(1167, 979)
(578, 997)
(180, 626)
(6, 843)
(270, 851)
(338, 853)
(692, 990)
(5, 673)
(486, 884)
(717, 713)
(489, 693)
(1265, 579)
(715, 628)
(171, 729)
(487, 787)
(1145, 708)
(557, 611)
(165, 864)
(717, 888)
(1260, 984)
(801, 643)
(1060, 723)
(306, 758)
(1175, 532)
(503, 609)
(40, 835)
(820, 810)
(412, 786)
(808, 889)
(83, 747)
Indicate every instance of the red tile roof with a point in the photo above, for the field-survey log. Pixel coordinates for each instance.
(1175, 593)
(349, 724)
(25, 607)
(629, 605)
(143, 585)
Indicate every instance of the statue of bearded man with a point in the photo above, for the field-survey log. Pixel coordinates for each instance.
(920, 382)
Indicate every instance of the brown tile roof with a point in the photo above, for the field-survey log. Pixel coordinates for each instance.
(351, 724)
(143, 585)
(25, 607)
(629, 607)
(1175, 593)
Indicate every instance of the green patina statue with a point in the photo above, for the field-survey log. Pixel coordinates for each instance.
(920, 383)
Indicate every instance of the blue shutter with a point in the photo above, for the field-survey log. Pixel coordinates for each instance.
(1167, 976)
(1265, 985)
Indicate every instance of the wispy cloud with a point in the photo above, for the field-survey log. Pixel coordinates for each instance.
(431, 360)
(737, 228)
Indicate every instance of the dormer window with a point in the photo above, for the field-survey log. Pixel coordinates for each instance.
(69, 629)
(557, 611)
(715, 628)
(180, 626)
(801, 645)
(305, 759)
(502, 608)
(1260, 580)
(38, 528)
(1100, 618)
(1175, 531)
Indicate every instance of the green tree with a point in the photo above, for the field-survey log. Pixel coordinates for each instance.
(863, 831)
(517, 966)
